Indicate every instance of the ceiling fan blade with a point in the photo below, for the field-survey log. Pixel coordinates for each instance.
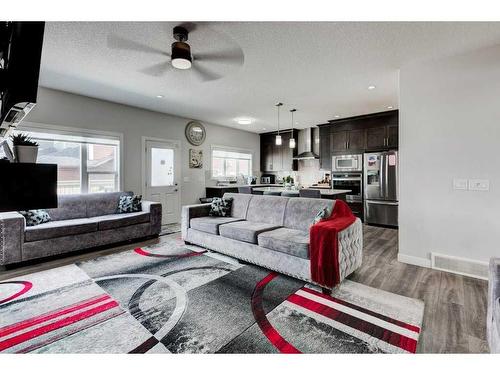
(204, 74)
(117, 42)
(157, 69)
(233, 56)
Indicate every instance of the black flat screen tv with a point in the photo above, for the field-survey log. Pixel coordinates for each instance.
(27, 186)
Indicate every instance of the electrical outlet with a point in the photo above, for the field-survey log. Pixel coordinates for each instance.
(479, 185)
(460, 184)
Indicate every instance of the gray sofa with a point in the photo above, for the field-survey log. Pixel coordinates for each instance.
(269, 231)
(80, 222)
(493, 322)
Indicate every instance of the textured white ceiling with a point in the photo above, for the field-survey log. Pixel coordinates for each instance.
(322, 69)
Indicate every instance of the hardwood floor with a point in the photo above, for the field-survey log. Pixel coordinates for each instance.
(455, 306)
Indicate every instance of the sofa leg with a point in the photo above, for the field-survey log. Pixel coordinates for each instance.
(187, 243)
(326, 291)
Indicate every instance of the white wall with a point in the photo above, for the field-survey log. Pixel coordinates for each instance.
(69, 110)
(450, 128)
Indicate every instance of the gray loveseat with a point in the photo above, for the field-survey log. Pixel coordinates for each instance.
(269, 231)
(80, 222)
(493, 322)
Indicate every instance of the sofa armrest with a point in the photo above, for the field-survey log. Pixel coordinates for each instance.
(350, 248)
(493, 293)
(12, 226)
(154, 208)
(190, 212)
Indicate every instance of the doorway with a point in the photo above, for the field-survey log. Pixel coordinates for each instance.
(161, 176)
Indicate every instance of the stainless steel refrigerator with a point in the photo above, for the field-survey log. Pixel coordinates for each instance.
(380, 176)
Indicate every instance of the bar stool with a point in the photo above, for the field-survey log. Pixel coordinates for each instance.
(289, 193)
(275, 193)
(245, 190)
(310, 193)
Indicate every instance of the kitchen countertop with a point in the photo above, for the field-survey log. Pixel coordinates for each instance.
(240, 185)
(329, 192)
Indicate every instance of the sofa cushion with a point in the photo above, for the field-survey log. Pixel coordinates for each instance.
(240, 204)
(100, 204)
(61, 228)
(245, 230)
(221, 207)
(267, 209)
(69, 207)
(285, 240)
(35, 217)
(129, 204)
(300, 212)
(121, 220)
(210, 224)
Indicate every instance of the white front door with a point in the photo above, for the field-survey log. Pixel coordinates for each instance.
(162, 176)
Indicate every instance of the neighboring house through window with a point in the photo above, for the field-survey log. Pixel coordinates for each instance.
(85, 164)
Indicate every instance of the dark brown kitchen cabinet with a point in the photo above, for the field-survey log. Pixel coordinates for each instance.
(351, 140)
(356, 140)
(274, 158)
(392, 136)
(338, 141)
(325, 150)
(375, 138)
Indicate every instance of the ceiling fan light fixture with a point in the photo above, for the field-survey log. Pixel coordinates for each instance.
(181, 55)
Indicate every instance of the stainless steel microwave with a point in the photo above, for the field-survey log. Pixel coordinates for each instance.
(347, 163)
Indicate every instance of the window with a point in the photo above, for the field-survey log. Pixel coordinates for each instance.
(84, 164)
(230, 163)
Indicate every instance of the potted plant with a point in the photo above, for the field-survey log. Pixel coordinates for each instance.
(288, 182)
(25, 149)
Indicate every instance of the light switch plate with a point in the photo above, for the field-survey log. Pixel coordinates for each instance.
(479, 185)
(460, 184)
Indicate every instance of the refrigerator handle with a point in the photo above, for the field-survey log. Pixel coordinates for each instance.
(386, 182)
(382, 177)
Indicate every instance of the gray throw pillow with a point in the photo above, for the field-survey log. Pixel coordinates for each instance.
(130, 203)
(322, 214)
(35, 217)
(221, 207)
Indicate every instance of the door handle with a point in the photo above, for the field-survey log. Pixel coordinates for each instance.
(176, 189)
(176, 184)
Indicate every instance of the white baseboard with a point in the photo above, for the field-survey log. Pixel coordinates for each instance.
(416, 261)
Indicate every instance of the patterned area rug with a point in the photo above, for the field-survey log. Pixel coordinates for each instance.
(172, 298)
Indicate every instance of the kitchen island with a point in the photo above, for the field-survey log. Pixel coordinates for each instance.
(325, 193)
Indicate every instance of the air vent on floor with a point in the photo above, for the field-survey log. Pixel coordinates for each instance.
(462, 266)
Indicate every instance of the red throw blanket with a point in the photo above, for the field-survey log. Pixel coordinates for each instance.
(324, 247)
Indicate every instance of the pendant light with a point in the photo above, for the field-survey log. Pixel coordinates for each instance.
(278, 137)
(292, 140)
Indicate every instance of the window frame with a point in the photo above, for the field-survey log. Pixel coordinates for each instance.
(82, 133)
(229, 149)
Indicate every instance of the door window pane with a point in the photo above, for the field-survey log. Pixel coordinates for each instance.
(162, 167)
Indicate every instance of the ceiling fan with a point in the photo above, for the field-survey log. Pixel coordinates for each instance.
(180, 56)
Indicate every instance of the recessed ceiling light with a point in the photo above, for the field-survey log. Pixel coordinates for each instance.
(337, 116)
(371, 87)
(244, 121)
(263, 128)
(390, 107)
(159, 96)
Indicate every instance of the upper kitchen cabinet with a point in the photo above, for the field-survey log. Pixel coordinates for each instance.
(349, 140)
(275, 158)
(325, 149)
(393, 136)
(376, 131)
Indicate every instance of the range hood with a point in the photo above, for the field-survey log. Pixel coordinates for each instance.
(307, 142)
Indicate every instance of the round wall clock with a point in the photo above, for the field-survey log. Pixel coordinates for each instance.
(195, 133)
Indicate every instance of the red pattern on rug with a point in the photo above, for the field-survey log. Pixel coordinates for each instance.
(145, 253)
(265, 326)
(323, 246)
(393, 338)
(26, 287)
